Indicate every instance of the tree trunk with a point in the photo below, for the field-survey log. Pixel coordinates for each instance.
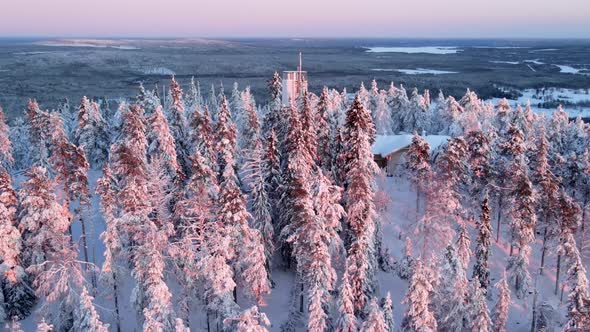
(499, 219)
(511, 249)
(562, 291)
(85, 248)
(557, 274)
(583, 224)
(301, 299)
(543, 250)
(116, 299)
(534, 322)
(417, 204)
(207, 314)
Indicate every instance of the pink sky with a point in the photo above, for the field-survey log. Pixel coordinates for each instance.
(300, 18)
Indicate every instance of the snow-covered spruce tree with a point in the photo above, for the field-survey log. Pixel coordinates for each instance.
(464, 246)
(478, 163)
(398, 102)
(19, 137)
(250, 138)
(58, 281)
(42, 220)
(69, 118)
(71, 168)
(569, 213)
(451, 308)
(238, 107)
(338, 157)
(10, 250)
(193, 97)
(193, 211)
(443, 197)
(18, 296)
(148, 100)
(547, 195)
(177, 122)
(151, 296)
(415, 117)
(500, 314)
(478, 312)
(106, 189)
(347, 321)
(308, 127)
(418, 166)
(162, 146)
(360, 170)
(523, 220)
(225, 138)
(579, 298)
(86, 317)
(508, 162)
(481, 269)
(275, 118)
(203, 244)
(250, 320)
(324, 133)
(232, 213)
(260, 201)
(418, 315)
(387, 308)
(375, 321)
(202, 137)
(6, 159)
(382, 115)
(272, 176)
(39, 134)
(92, 132)
(295, 199)
(406, 264)
(315, 240)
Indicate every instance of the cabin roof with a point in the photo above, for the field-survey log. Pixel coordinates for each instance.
(387, 144)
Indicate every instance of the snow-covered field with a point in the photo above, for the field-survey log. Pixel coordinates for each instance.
(95, 43)
(569, 70)
(412, 50)
(550, 95)
(417, 71)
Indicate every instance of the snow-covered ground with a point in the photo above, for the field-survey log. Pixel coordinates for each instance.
(156, 71)
(412, 50)
(570, 70)
(551, 95)
(506, 62)
(417, 71)
(95, 43)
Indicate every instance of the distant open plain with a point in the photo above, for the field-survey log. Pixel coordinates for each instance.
(53, 69)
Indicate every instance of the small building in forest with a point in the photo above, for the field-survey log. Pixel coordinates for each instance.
(389, 151)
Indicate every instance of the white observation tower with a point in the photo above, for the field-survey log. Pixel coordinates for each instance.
(294, 83)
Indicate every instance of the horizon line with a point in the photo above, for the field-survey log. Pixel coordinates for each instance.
(172, 37)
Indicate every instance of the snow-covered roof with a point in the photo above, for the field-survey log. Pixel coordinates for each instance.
(387, 144)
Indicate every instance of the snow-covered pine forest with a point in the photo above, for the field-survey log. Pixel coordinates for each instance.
(208, 212)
